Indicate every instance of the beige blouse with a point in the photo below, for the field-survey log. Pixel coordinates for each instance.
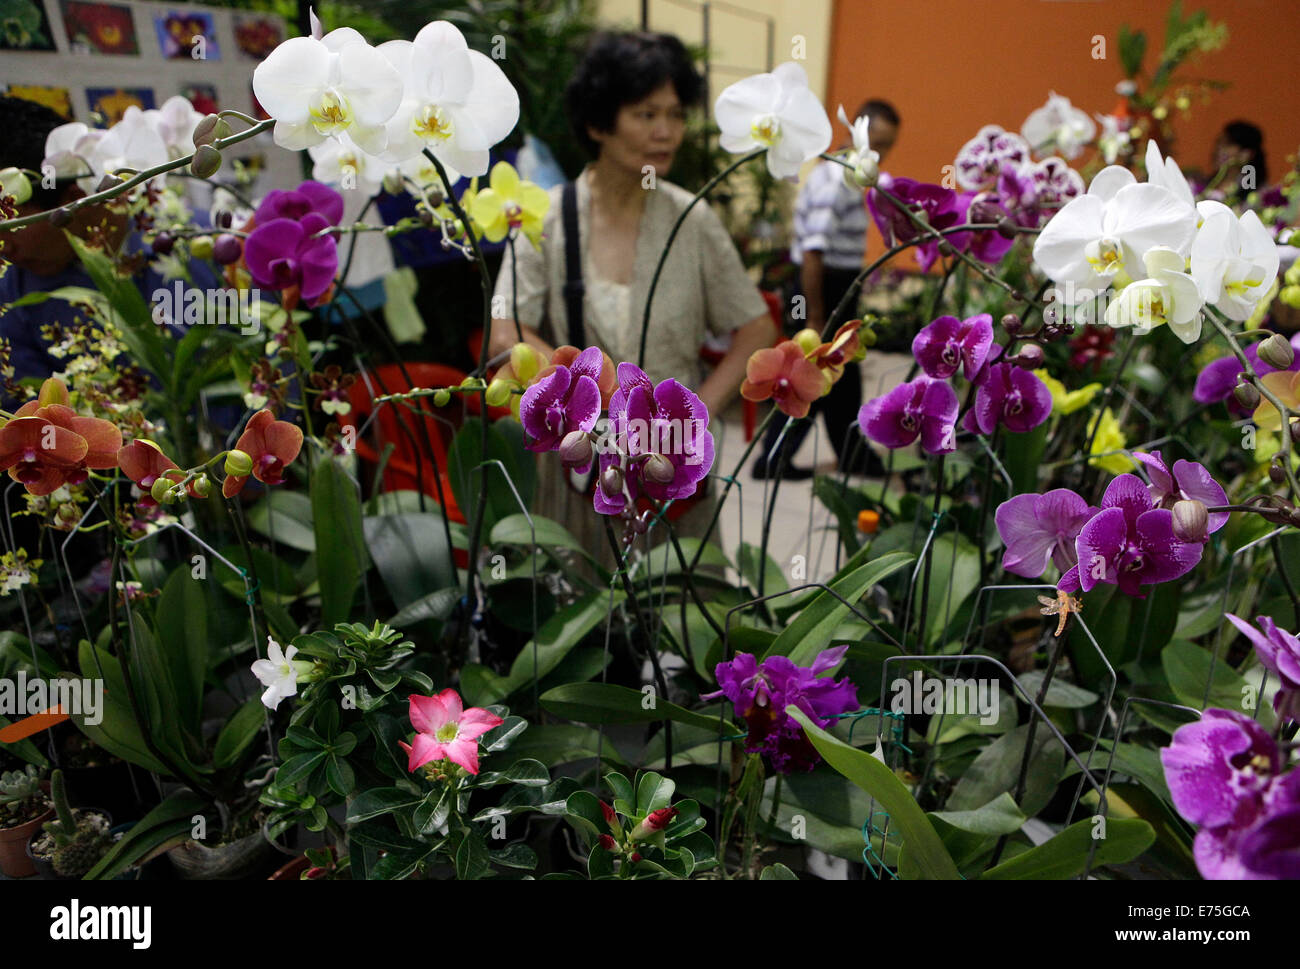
(703, 289)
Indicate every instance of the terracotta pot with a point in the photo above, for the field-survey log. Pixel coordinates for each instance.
(14, 860)
(292, 871)
(46, 868)
(238, 859)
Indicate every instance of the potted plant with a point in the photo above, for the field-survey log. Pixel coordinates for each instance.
(73, 843)
(24, 807)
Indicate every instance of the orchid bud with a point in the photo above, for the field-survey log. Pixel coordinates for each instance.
(53, 391)
(865, 173)
(1191, 521)
(201, 247)
(1247, 396)
(611, 481)
(866, 338)
(61, 217)
(659, 470)
(575, 449)
(239, 464)
(525, 361)
(15, 184)
(1290, 295)
(1276, 352)
(1007, 228)
(808, 340)
(1012, 324)
(441, 397)
(161, 491)
(1031, 357)
(392, 183)
(226, 249)
(107, 183)
(206, 163)
(201, 486)
(163, 243)
(1276, 474)
(209, 129)
(498, 392)
(654, 823)
(1294, 427)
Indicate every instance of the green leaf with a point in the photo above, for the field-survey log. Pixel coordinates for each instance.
(433, 811)
(504, 444)
(514, 530)
(170, 820)
(473, 860)
(297, 768)
(997, 767)
(340, 543)
(1059, 694)
(1187, 667)
(608, 703)
(747, 557)
(148, 342)
(339, 775)
(777, 873)
(411, 553)
(530, 773)
(436, 605)
(117, 732)
(285, 517)
(557, 636)
(501, 737)
(999, 816)
(182, 622)
(954, 575)
(1022, 457)
(804, 638)
(1066, 855)
(515, 856)
(238, 733)
(653, 792)
(923, 845)
(379, 801)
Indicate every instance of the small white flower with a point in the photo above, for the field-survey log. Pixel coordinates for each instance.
(1168, 295)
(277, 673)
(776, 111)
(1058, 126)
(1112, 140)
(338, 161)
(1234, 260)
(864, 164)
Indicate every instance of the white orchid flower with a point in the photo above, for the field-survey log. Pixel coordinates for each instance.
(1107, 231)
(863, 164)
(175, 122)
(317, 88)
(421, 171)
(338, 161)
(1058, 126)
(277, 673)
(134, 142)
(71, 152)
(1234, 260)
(456, 102)
(1168, 295)
(1111, 141)
(776, 111)
(1167, 174)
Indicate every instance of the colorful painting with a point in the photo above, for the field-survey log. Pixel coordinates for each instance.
(99, 28)
(57, 99)
(257, 36)
(108, 104)
(187, 35)
(24, 26)
(202, 96)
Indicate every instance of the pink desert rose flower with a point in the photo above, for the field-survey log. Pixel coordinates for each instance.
(447, 731)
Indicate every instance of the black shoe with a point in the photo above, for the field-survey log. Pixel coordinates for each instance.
(791, 472)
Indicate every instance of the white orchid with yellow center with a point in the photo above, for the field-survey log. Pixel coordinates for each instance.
(1167, 295)
(320, 87)
(1058, 127)
(775, 111)
(340, 161)
(456, 102)
(510, 203)
(1234, 260)
(863, 164)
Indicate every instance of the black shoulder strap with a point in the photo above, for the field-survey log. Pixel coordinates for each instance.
(574, 288)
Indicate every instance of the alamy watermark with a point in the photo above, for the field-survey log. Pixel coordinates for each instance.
(946, 695)
(223, 306)
(24, 697)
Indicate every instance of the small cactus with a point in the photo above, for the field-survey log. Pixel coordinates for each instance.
(79, 842)
(21, 797)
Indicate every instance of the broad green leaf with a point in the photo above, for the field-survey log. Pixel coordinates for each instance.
(777, 873)
(999, 816)
(436, 605)
(653, 792)
(171, 820)
(118, 731)
(608, 703)
(997, 767)
(558, 635)
(1066, 855)
(514, 530)
(284, 517)
(182, 621)
(747, 557)
(1059, 694)
(378, 801)
(410, 550)
(923, 844)
(340, 542)
(238, 733)
(954, 575)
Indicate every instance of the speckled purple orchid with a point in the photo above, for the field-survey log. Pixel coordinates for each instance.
(1216, 381)
(981, 159)
(663, 448)
(566, 400)
(1037, 529)
(1224, 773)
(760, 692)
(1129, 542)
(1279, 653)
(1188, 480)
(1011, 396)
(925, 408)
(1033, 192)
(947, 344)
(939, 206)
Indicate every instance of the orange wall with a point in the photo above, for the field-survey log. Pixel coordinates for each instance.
(951, 66)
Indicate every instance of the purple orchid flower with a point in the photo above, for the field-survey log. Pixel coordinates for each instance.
(948, 343)
(1129, 542)
(1216, 381)
(1279, 653)
(284, 253)
(566, 400)
(1008, 395)
(760, 692)
(1037, 529)
(938, 204)
(923, 407)
(986, 245)
(1224, 774)
(297, 203)
(991, 150)
(1187, 481)
(664, 447)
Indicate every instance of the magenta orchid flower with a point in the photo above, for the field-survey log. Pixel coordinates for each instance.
(985, 208)
(1216, 381)
(1187, 481)
(1009, 395)
(938, 206)
(1224, 773)
(1129, 543)
(1279, 653)
(948, 344)
(925, 408)
(284, 253)
(297, 203)
(566, 400)
(1038, 529)
(447, 731)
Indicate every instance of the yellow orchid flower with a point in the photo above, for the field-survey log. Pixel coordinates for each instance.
(1067, 401)
(1108, 437)
(1285, 385)
(510, 203)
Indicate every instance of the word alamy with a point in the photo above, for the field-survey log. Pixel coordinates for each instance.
(21, 697)
(190, 306)
(947, 696)
(98, 923)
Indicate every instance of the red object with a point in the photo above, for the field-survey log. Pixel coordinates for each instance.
(714, 357)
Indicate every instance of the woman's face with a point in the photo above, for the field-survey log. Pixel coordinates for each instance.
(646, 133)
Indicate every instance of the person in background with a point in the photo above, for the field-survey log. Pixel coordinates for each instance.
(830, 236)
(1239, 144)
